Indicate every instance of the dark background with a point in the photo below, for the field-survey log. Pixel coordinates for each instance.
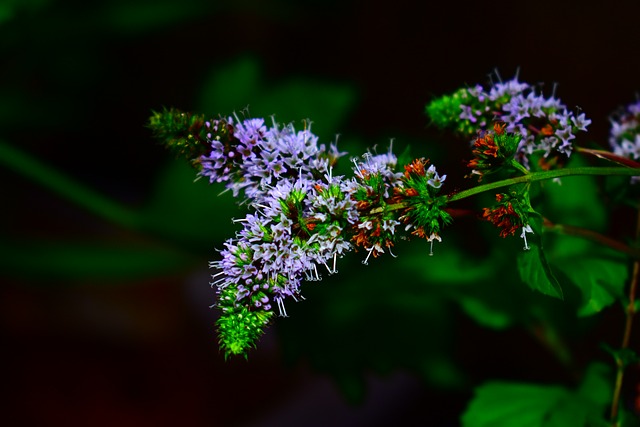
(96, 344)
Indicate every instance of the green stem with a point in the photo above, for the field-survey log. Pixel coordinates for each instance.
(55, 181)
(630, 311)
(541, 176)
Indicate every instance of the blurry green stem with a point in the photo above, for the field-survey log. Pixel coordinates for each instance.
(541, 176)
(55, 181)
(630, 312)
(571, 230)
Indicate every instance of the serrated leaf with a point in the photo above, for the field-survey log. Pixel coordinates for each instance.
(501, 404)
(532, 263)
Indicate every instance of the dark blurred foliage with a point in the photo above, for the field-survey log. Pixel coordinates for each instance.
(105, 317)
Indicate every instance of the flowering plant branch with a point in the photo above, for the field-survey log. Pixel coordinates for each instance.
(302, 217)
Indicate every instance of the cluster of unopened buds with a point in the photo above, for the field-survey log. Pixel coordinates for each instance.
(302, 217)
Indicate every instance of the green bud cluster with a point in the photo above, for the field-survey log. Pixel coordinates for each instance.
(444, 112)
(239, 327)
(186, 134)
(425, 210)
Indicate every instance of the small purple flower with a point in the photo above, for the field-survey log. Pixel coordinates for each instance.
(581, 122)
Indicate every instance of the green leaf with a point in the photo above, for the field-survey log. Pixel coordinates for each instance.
(501, 404)
(601, 280)
(483, 314)
(533, 266)
(597, 384)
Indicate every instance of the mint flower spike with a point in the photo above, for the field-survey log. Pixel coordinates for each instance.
(296, 223)
(545, 124)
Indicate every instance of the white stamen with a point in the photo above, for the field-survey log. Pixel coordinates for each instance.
(365, 262)
(283, 311)
(526, 229)
(431, 238)
(392, 254)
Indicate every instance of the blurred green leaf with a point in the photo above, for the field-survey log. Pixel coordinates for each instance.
(142, 16)
(192, 213)
(533, 266)
(601, 280)
(628, 418)
(597, 384)
(503, 404)
(575, 200)
(377, 318)
(95, 261)
(498, 404)
(9, 8)
(626, 356)
(483, 314)
(448, 266)
(239, 85)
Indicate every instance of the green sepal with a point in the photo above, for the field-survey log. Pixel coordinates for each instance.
(532, 263)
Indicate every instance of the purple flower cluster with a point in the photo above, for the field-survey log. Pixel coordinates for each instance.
(299, 212)
(624, 136)
(545, 124)
(258, 156)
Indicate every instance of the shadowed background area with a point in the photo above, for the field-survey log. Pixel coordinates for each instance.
(105, 239)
